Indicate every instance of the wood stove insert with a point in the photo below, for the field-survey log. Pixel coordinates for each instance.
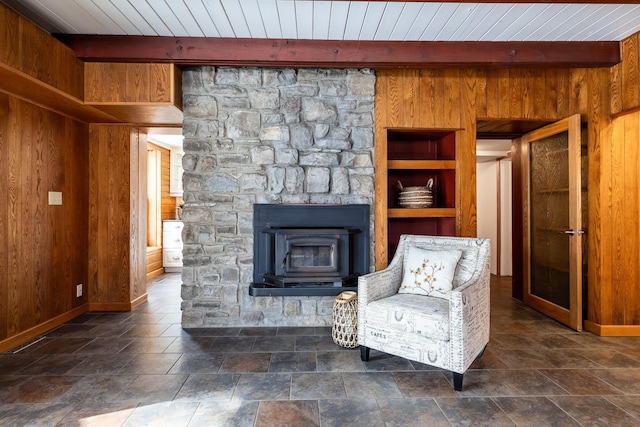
(309, 249)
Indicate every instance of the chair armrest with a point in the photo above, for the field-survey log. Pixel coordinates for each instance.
(381, 284)
(469, 314)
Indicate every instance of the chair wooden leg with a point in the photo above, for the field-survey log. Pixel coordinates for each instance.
(364, 353)
(481, 352)
(457, 381)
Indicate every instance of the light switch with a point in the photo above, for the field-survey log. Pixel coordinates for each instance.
(55, 198)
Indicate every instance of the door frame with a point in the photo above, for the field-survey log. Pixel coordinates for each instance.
(573, 316)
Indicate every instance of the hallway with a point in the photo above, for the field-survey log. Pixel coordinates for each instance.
(141, 368)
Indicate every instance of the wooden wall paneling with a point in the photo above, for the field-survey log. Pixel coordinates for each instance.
(95, 231)
(9, 30)
(630, 225)
(528, 94)
(615, 290)
(40, 235)
(168, 203)
(141, 94)
(26, 295)
(411, 101)
(393, 101)
(137, 83)
(466, 155)
(549, 93)
(14, 217)
(481, 96)
(76, 209)
(504, 93)
(56, 295)
(539, 91)
(117, 82)
(117, 249)
(176, 91)
(615, 99)
(163, 81)
(93, 80)
(563, 91)
(154, 264)
(380, 161)
(599, 195)
(515, 91)
(579, 91)
(631, 72)
(517, 214)
(138, 217)
(131, 83)
(37, 57)
(432, 95)
(35, 290)
(120, 148)
(493, 94)
(37, 295)
(69, 72)
(451, 99)
(4, 211)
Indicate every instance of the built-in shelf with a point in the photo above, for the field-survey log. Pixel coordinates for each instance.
(421, 213)
(413, 157)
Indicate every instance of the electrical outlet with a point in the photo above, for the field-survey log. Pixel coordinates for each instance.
(79, 290)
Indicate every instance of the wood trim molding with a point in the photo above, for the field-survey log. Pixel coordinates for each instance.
(342, 53)
(42, 328)
(139, 301)
(612, 330)
(118, 306)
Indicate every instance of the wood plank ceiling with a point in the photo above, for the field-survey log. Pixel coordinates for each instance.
(341, 20)
(341, 33)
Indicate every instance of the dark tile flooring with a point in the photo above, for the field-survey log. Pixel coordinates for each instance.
(142, 369)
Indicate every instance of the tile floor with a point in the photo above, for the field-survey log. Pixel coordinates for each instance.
(142, 369)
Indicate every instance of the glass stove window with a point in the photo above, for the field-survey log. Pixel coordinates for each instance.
(311, 256)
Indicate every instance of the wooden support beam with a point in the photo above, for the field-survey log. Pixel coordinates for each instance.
(344, 54)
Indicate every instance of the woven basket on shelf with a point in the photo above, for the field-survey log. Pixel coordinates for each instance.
(345, 320)
(416, 197)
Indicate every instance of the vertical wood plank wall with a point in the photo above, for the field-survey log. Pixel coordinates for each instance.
(457, 98)
(43, 247)
(128, 83)
(31, 50)
(168, 209)
(44, 250)
(117, 219)
(617, 302)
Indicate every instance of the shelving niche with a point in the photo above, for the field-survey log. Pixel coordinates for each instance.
(412, 156)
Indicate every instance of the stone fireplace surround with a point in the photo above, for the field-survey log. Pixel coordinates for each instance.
(265, 135)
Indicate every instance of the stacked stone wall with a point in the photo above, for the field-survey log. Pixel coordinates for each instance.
(262, 135)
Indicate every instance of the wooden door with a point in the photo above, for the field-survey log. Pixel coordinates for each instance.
(553, 234)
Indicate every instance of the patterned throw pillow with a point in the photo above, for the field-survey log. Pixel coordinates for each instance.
(429, 272)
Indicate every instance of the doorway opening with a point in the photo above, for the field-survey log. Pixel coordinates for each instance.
(497, 160)
(164, 200)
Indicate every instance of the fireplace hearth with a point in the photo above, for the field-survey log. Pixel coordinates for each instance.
(309, 250)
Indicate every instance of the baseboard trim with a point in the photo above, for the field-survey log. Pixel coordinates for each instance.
(612, 330)
(109, 306)
(24, 336)
(118, 306)
(139, 301)
(155, 273)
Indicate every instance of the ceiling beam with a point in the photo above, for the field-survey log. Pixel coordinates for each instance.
(347, 54)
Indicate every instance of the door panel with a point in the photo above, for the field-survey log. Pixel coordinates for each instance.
(551, 158)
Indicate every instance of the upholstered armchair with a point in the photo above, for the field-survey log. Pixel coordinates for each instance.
(430, 305)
